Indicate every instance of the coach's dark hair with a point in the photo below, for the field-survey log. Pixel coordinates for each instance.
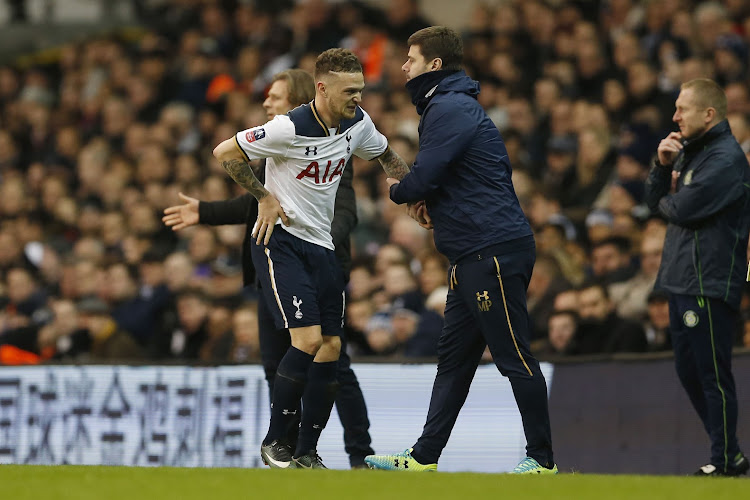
(439, 42)
(300, 84)
(338, 61)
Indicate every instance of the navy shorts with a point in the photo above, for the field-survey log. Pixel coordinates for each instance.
(301, 282)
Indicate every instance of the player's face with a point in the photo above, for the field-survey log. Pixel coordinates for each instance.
(277, 102)
(343, 93)
(415, 63)
(692, 118)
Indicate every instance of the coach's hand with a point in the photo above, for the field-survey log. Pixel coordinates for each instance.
(181, 216)
(418, 212)
(269, 210)
(669, 148)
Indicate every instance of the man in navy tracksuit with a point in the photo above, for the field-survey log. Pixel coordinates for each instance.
(463, 176)
(701, 185)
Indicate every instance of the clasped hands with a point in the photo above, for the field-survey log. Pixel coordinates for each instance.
(417, 211)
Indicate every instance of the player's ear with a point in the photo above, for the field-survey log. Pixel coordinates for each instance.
(321, 87)
(437, 64)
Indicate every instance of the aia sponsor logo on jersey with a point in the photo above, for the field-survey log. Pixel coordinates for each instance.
(315, 171)
(255, 134)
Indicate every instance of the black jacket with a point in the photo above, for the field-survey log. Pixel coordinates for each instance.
(709, 217)
(462, 169)
(244, 210)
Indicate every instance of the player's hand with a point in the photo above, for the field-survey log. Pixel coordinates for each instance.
(669, 148)
(269, 210)
(182, 216)
(418, 212)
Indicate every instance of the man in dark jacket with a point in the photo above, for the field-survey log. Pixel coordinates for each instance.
(601, 329)
(701, 185)
(289, 89)
(463, 175)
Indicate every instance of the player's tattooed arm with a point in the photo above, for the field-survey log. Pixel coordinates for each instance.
(393, 164)
(242, 173)
(257, 167)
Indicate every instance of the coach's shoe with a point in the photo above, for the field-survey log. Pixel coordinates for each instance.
(310, 461)
(277, 455)
(739, 466)
(401, 461)
(530, 466)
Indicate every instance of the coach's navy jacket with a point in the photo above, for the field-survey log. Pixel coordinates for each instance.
(462, 169)
(709, 217)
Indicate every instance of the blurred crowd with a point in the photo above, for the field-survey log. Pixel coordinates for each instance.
(98, 137)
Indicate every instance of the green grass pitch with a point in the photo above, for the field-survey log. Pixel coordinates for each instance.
(22, 482)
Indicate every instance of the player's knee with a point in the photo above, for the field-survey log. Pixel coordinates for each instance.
(330, 349)
(332, 344)
(310, 345)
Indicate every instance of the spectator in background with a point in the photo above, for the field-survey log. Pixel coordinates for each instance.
(648, 104)
(186, 338)
(433, 272)
(545, 282)
(379, 334)
(610, 260)
(599, 225)
(134, 312)
(424, 342)
(556, 239)
(358, 313)
(561, 339)
(658, 333)
(27, 300)
(630, 296)
(178, 272)
(404, 18)
(566, 300)
(624, 197)
(361, 280)
(245, 347)
(406, 233)
(561, 172)
(108, 341)
(56, 335)
(601, 329)
(595, 163)
(739, 123)
(72, 340)
(401, 288)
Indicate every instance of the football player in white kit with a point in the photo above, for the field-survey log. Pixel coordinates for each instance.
(307, 151)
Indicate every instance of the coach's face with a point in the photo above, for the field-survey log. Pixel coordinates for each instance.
(343, 93)
(277, 101)
(692, 118)
(416, 64)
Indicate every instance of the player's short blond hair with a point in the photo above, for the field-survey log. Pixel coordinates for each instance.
(708, 94)
(337, 61)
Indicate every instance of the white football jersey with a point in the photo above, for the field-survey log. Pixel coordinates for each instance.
(305, 162)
